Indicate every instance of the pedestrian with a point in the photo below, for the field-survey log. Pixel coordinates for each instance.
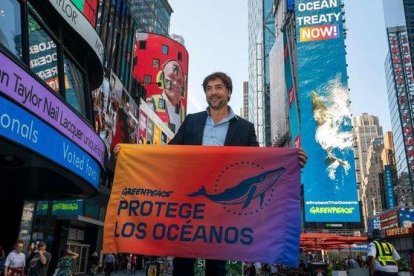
(39, 263)
(29, 254)
(30, 250)
(65, 263)
(382, 256)
(138, 262)
(250, 270)
(94, 263)
(133, 263)
(109, 264)
(351, 263)
(360, 261)
(216, 126)
(15, 261)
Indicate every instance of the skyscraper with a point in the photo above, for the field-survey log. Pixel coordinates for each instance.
(400, 89)
(284, 113)
(409, 23)
(261, 27)
(373, 188)
(152, 16)
(366, 128)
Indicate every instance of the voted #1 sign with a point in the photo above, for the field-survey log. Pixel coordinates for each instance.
(225, 203)
(21, 127)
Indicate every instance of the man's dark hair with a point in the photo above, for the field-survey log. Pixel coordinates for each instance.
(218, 75)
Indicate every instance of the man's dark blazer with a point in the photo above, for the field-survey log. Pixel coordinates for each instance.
(240, 133)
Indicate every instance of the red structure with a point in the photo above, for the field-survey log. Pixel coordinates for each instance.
(161, 66)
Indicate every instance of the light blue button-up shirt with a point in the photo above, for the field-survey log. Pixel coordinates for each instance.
(215, 134)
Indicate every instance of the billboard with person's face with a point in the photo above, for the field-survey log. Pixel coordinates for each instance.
(161, 66)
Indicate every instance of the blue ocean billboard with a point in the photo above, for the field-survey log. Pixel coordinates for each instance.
(330, 191)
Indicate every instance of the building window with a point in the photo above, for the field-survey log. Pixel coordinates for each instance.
(180, 56)
(155, 63)
(142, 44)
(74, 86)
(10, 27)
(165, 49)
(147, 79)
(43, 54)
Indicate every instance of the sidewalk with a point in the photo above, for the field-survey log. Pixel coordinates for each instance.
(137, 273)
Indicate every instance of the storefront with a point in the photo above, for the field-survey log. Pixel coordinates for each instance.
(50, 61)
(402, 239)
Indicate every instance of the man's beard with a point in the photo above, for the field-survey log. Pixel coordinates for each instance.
(217, 105)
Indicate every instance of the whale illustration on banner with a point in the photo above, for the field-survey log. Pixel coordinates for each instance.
(245, 191)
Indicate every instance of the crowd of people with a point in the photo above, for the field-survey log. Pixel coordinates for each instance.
(126, 263)
(35, 261)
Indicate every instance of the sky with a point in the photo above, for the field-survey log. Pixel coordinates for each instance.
(216, 37)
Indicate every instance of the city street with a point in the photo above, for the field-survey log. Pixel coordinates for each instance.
(279, 133)
(138, 273)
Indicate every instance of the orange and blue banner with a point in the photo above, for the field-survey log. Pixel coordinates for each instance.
(225, 203)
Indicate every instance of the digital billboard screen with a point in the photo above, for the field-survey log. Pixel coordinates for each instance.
(330, 191)
(23, 128)
(23, 89)
(389, 187)
(89, 8)
(161, 66)
(116, 114)
(61, 207)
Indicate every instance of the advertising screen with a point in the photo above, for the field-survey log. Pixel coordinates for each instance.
(23, 89)
(142, 132)
(404, 85)
(61, 208)
(389, 187)
(116, 114)
(152, 129)
(25, 129)
(89, 8)
(43, 55)
(373, 223)
(161, 66)
(389, 219)
(406, 217)
(330, 191)
(157, 135)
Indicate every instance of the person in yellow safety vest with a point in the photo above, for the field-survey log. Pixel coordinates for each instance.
(382, 256)
(169, 104)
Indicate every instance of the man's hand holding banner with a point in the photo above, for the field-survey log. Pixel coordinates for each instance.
(226, 203)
